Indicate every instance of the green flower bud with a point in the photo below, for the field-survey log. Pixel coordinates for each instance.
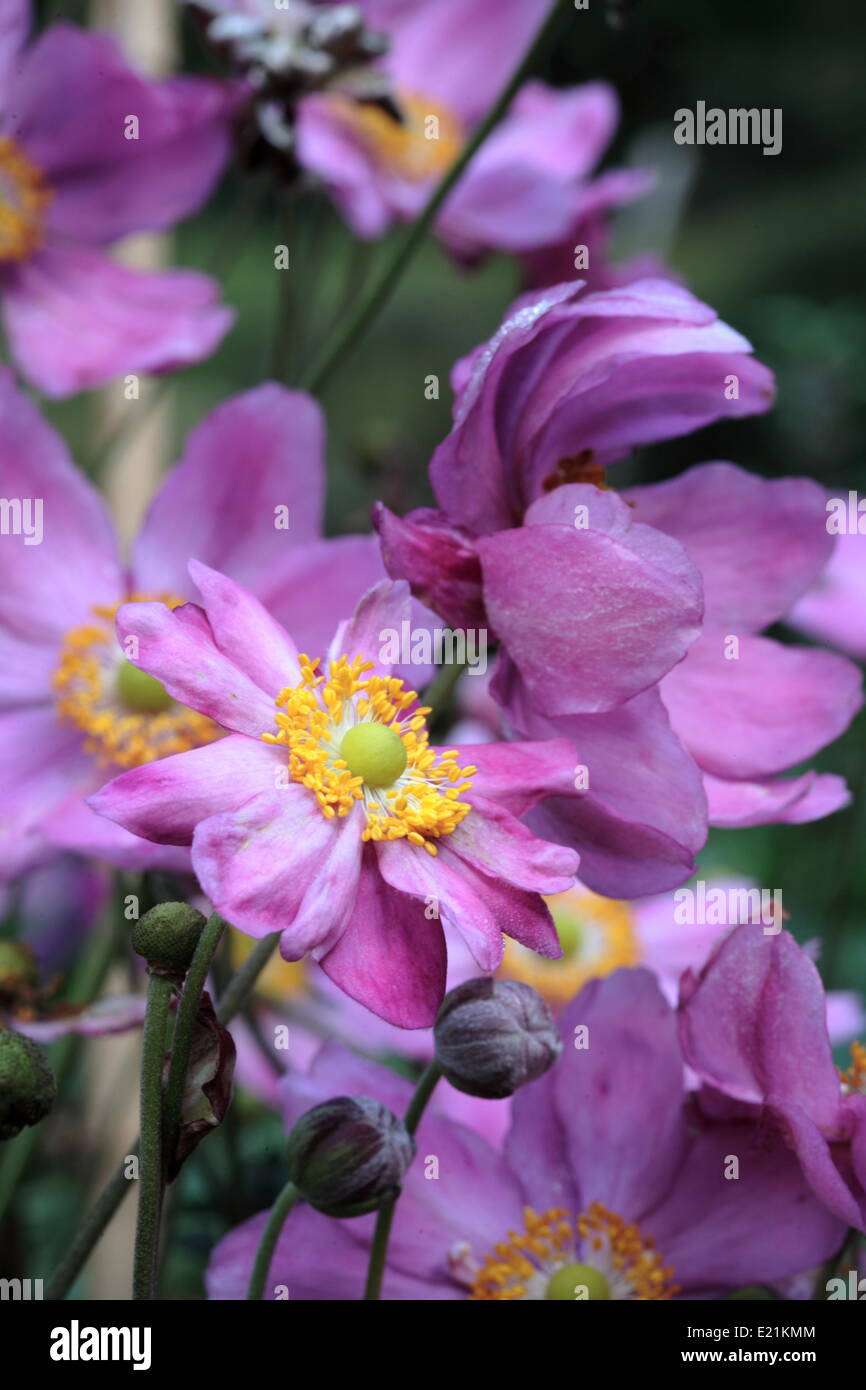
(349, 1155)
(494, 1036)
(27, 1085)
(167, 936)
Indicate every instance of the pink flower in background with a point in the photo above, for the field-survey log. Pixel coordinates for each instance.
(616, 1171)
(753, 1025)
(72, 711)
(76, 176)
(834, 609)
(325, 814)
(529, 188)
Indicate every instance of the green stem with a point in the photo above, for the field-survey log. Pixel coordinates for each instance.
(184, 1028)
(243, 982)
(106, 1205)
(268, 1243)
(438, 692)
(382, 1234)
(151, 1180)
(370, 303)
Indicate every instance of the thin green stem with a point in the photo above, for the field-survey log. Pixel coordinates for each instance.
(268, 1243)
(244, 981)
(440, 689)
(107, 1203)
(151, 1181)
(184, 1027)
(382, 1234)
(373, 300)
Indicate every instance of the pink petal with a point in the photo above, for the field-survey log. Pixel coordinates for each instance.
(257, 452)
(246, 633)
(165, 800)
(390, 957)
(185, 658)
(76, 319)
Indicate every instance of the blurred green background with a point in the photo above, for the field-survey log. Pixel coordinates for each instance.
(774, 244)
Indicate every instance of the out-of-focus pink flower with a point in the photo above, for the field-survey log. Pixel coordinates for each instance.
(248, 495)
(91, 151)
(617, 1172)
(529, 191)
(324, 814)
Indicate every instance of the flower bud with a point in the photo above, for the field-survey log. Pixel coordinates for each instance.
(167, 936)
(27, 1085)
(494, 1036)
(349, 1155)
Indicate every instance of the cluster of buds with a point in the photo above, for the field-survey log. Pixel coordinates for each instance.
(288, 51)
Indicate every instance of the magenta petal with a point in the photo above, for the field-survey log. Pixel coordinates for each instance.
(753, 1024)
(379, 613)
(718, 1233)
(69, 107)
(766, 710)
(338, 571)
(73, 825)
(496, 843)
(183, 655)
(439, 561)
(165, 800)
(257, 453)
(76, 319)
(626, 1085)
(245, 632)
(390, 957)
(41, 762)
(51, 581)
(518, 775)
(718, 512)
(14, 28)
(602, 618)
(480, 908)
(787, 801)
(276, 864)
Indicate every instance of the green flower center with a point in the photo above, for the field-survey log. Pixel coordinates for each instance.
(569, 930)
(141, 693)
(577, 1282)
(375, 752)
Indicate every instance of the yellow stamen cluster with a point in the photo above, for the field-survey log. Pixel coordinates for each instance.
(528, 1258)
(607, 941)
(632, 1254)
(544, 1243)
(421, 146)
(86, 698)
(854, 1078)
(24, 199)
(423, 803)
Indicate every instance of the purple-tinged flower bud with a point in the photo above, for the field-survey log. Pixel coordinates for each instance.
(27, 1085)
(349, 1155)
(167, 936)
(494, 1036)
